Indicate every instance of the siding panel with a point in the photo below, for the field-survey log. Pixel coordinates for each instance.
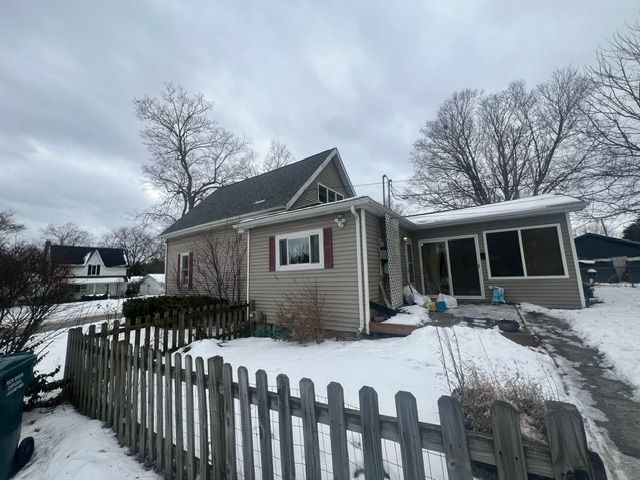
(338, 284)
(201, 244)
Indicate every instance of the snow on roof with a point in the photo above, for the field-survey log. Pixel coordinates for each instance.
(540, 205)
(158, 277)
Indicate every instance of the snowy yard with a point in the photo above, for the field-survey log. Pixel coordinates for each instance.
(69, 445)
(389, 365)
(613, 327)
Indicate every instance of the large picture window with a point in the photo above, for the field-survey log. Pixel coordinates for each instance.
(526, 252)
(300, 250)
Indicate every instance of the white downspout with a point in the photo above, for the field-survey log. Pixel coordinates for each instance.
(359, 267)
(365, 264)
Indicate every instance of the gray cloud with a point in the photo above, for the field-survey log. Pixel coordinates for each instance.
(362, 76)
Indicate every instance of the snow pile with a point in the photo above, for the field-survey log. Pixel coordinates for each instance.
(613, 327)
(69, 445)
(389, 365)
(413, 315)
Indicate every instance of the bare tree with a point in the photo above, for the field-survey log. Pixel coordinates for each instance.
(191, 154)
(8, 226)
(67, 234)
(632, 230)
(31, 287)
(518, 142)
(219, 259)
(614, 111)
(277, 156)
(141, 244)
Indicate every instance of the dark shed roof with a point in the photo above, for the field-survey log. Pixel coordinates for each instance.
(269, 190)
(592, 245)
(67, 255)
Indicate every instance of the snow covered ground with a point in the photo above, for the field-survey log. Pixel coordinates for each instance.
(110, 306)
(70, 446)
(389, 365)
(613, 327)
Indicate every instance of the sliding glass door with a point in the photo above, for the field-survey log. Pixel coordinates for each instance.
(451, 266)
(435, 268)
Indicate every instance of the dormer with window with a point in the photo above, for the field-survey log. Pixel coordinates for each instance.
(328, 195)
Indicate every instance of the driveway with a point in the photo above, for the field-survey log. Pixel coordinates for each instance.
(610, 408)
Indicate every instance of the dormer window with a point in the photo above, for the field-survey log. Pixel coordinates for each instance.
(93, 270)
(326, 195)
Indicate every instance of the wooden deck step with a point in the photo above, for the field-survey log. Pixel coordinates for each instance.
(391, 329)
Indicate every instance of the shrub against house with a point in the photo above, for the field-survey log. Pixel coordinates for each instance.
(269, 237)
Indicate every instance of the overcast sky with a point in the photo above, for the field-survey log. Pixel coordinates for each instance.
(363, 77)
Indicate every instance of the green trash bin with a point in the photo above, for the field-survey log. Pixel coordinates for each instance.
(16, 373)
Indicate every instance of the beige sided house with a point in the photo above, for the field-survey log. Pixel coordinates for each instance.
(302, 224)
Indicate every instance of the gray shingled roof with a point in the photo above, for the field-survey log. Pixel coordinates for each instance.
(276, 188)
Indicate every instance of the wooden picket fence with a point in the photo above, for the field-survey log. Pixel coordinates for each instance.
(173, 329)
(189, 418)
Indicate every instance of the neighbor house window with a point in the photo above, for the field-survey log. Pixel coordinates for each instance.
(326, 195)
(93, 270)
(185, 269)
(526, 252)
(299, 251)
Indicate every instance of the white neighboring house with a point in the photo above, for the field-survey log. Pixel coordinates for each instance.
(94, 270)
(152, 284)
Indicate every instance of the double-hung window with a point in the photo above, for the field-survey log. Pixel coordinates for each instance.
(93, 270)
(526, 252)
(299, 251)
(327, 195)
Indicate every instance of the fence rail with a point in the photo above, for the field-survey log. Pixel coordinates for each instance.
(191, 418)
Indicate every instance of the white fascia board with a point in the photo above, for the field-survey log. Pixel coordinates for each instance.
(324, 209)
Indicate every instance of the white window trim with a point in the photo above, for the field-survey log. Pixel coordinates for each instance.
(446, 246)
(328, 189)
(182, 255)
(301, 266)
(526, 276)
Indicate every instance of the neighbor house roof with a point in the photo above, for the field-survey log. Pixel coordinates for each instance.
(595, 246)
(68, 255)
(531, 206)
(269, 191)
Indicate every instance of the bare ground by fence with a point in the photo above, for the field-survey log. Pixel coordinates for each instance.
(191, 418)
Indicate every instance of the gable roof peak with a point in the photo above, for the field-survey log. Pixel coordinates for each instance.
(269, 191)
